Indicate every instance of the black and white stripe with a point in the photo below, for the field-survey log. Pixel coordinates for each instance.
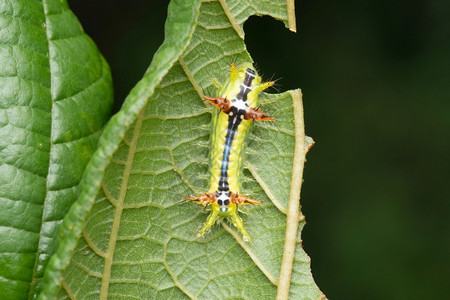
(236, 114)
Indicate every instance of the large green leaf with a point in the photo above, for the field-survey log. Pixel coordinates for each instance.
(55, 96)
(138, 241)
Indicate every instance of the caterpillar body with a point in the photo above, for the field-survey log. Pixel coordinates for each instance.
(237, 104)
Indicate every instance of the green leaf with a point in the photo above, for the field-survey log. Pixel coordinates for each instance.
(128, 235)
(55, 96)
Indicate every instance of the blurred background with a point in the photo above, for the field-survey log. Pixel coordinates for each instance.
(375, 75)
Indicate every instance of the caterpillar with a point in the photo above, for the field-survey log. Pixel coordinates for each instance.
(237, 104)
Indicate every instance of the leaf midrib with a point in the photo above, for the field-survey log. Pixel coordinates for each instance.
(34, 279)
(119, 206)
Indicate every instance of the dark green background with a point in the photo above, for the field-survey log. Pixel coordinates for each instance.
(376, 82)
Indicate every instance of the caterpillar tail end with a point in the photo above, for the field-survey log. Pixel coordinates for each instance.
(217, 211)
(237, 222)
(212, 218)
(235, 219)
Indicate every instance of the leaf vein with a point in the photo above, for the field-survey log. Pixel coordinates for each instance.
(22, 169)
(191, 77)
(250, 253)
(108, 195)
(176, 168)
(230, 17)
(174, 277)
(82, 34)
(85, 89)
(86, 270)
(266, 188)
(68, 290)
(91, 244)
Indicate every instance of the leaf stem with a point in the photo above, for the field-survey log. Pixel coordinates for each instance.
(291, 15)
(293, 213)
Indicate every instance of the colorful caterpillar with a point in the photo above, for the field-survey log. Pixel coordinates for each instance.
(238, 108)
